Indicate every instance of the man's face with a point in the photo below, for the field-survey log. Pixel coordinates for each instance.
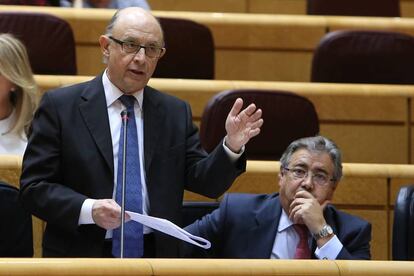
(317, 165)
(131, 72)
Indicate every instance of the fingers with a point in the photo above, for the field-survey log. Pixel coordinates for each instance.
(304, 194)
(106, 213)
(237, 106)
(250, 114)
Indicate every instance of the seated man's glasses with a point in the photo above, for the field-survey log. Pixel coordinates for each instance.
(317, 177)
(132, 48)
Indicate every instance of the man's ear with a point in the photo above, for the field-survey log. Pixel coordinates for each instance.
(280, 174)
(163, 53)
(104, 43)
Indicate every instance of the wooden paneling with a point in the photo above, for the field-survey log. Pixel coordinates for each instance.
(378, 219)
(251, 6)
(219, 267)
(277, 6)
(368, 122)
(367, 143)
(243, 65)
(205, 6)
(248, 46)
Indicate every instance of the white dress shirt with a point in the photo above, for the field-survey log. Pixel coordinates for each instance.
(286, 240)
(115, 107)
(11, 143)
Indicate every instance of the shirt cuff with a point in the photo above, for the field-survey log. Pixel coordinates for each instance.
(233, 156)
(85, 216)
(330, 250)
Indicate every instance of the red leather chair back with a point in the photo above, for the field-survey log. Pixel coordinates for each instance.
(403, 227)
(364, 57)
(287, 117)
(49, 41)
(386, 8)
(190, 50)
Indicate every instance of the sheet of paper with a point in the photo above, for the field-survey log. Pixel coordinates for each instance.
(169, 228)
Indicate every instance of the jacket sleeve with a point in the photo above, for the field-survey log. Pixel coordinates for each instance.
(357, 247)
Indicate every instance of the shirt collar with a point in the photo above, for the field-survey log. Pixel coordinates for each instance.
(284, 222)
(112, 93)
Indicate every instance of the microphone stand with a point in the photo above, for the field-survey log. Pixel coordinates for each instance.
(124, 116)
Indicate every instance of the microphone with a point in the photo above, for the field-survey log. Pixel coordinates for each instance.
(124, 118)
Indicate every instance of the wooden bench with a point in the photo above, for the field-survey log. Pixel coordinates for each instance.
(251, 6)
(164, 267)
(367, 190)
(370, 123)
(262, 47)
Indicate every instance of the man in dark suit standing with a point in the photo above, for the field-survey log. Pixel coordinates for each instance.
(71, 164)
(298, 222)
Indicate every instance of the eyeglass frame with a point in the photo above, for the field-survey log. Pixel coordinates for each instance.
(121, 42)
(291, 170)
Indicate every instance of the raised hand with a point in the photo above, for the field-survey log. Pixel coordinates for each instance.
(242, 125)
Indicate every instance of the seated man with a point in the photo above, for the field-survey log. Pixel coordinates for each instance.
(298, 222)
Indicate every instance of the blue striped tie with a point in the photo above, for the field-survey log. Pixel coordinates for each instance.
(133, 231)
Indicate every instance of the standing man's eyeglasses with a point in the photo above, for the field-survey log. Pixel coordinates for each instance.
(132, 48)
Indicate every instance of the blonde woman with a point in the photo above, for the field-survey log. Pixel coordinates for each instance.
(18, 93)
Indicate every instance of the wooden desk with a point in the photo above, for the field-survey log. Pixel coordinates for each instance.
(164, 267)
(367, 190)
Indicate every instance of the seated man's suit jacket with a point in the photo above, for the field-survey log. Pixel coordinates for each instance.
(245, 226)
(69, 158)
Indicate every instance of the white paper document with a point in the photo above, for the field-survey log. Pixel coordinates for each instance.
(169, 228)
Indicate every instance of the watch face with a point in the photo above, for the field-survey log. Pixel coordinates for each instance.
(329, 230)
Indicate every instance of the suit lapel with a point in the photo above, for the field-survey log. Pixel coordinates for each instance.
(93, 109)
(153, 117)
(260, 242)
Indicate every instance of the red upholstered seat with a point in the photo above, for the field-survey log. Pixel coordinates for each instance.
(403, 228)
(49, 41)
(364, 57)
(190, 50)
(387, 8)
(287, 117)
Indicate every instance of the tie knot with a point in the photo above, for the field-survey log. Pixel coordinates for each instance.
(127, 100)
(302, 230)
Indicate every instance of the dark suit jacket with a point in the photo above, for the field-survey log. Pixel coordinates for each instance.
(245, 226)
(69, 158)
(16, 237)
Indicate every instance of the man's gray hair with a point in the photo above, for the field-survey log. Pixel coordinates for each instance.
(110, 26)
(315, 144)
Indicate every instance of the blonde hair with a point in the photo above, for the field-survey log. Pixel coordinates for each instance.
(15, 66)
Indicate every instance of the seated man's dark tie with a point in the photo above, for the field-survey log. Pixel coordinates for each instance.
(133, 231)
(302, 249)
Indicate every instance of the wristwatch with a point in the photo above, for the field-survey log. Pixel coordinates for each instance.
(324, 232)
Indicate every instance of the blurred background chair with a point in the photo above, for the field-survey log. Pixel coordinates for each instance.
(16, 235)
(364, 57)
(193, 210)
(403, 228)
(49, 41)
(386, 8)
(287, 117)
(190, 50)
